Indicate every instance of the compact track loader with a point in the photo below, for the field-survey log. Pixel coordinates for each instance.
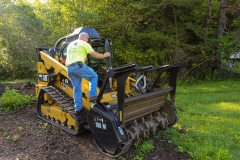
(129, 105)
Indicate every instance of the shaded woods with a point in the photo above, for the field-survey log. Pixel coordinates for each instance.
(153, 32)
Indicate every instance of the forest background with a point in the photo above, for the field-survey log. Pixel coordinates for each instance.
(149, 32)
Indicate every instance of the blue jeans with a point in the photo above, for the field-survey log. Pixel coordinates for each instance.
(76, 74)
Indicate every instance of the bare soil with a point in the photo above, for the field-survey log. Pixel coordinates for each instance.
(23, 136)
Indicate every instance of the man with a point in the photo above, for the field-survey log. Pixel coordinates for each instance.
(76, 54)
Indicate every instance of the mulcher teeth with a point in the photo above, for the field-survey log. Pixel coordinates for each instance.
(147, 126)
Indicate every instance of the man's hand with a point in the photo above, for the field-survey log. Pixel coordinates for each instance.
(107, 54)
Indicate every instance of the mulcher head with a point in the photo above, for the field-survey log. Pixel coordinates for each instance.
(115, 126)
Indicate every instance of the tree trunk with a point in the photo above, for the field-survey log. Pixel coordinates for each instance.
(173, 59)
(208, 17)
(222, 21)
(222, 18)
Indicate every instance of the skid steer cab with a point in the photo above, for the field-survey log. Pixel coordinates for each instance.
(130, 103)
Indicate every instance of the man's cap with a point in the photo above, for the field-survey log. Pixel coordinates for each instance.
(84, 34)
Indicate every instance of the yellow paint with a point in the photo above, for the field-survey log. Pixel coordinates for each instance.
(120, 116)
(71, 121)
(56, 113)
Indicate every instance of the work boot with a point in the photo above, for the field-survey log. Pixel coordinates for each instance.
(77, 112)
(93, 98)
(79, 115)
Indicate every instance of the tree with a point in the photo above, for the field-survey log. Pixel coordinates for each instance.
(147, 32)
(21, 30)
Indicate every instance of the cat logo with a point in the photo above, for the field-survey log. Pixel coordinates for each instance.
(114, 96)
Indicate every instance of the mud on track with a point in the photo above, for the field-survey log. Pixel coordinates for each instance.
(24, 136)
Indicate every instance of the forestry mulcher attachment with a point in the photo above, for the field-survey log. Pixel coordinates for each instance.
(130, 104)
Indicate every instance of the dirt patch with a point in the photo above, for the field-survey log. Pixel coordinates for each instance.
(24, 136)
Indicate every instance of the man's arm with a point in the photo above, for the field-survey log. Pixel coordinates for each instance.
(99, 55)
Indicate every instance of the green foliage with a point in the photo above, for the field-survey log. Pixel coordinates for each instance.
(21, 31)
(147, 32)
(228, 46)
(61, 131)
(15, 137)
(180, 149)
(20, 128)
(12, 100)
(44, 126)
(142, 148)
(6, 136)
(235, 69)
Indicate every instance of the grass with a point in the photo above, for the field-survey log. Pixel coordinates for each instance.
(209, 125)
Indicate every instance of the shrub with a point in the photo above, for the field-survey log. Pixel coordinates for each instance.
(12, 100)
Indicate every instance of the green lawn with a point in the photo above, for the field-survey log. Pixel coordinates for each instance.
(209, 120)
